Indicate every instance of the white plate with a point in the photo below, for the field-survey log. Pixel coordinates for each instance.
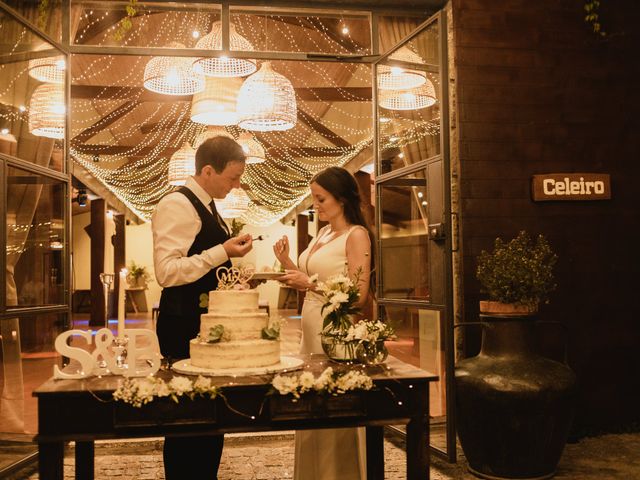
(266, 275)
(286, 364)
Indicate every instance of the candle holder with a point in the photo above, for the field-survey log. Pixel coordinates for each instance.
(107, 280)
(120, 349)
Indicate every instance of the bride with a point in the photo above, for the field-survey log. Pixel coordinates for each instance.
(344, 245)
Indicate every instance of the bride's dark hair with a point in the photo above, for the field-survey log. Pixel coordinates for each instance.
(344, 188)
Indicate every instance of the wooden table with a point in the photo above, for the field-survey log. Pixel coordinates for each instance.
(83, 411)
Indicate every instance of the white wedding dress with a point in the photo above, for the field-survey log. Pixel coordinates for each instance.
(333, 454)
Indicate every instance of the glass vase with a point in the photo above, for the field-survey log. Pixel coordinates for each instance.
(339, 350)
(372, 353)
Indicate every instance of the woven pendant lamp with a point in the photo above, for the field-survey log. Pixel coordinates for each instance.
(210, 132)
(234, 204)
(47, 111)
(216, 104)
(48, 69)
(182, 165)
(411, 99)
(172, 75)
(224, 66)
(267, 102)
(252, 148)
(400, 78)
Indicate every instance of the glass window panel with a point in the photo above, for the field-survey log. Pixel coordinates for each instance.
(392, 29)
(27, 362)
(145, 24)
(403, 235)
(35, 240)
(409, 102)
(45, 15)
(32, 108)
(420, 342)
(304, 31)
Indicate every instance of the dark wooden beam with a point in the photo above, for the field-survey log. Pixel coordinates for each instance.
(327, 133)
(141, 94)
(98, 214)
(119, 252)
(296, 152)
(105, 121)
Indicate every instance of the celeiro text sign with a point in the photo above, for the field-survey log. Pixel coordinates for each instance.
(570, 186)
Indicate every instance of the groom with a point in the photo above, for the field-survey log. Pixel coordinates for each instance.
(190, 242)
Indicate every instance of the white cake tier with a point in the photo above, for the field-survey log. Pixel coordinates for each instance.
(240, 354)
(233, 301)
(240, 326)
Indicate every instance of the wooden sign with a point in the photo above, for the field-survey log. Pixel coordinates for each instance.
(570, 186)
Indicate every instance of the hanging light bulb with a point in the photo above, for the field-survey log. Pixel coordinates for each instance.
(216, 104)
(411, 99)
(252, 148)
(172, 75)
(400, 78)
(182, 165)
(210, 132)
(48, 69)
(234, 204)
(267, 101)
(224, 66)
(47, 111)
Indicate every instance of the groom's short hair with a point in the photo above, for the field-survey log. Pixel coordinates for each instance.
(218, 152)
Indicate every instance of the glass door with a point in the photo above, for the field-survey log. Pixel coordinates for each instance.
(413, 208)
(34, 217)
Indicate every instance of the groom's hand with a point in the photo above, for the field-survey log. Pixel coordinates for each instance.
(238, 246)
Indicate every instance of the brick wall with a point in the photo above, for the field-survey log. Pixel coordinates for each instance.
(537, 92)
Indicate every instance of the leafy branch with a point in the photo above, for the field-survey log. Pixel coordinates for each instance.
(125, 24)
(592, 17)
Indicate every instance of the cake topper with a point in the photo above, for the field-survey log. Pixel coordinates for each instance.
(235, 277)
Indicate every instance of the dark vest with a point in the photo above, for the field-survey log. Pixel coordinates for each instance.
(180, 310)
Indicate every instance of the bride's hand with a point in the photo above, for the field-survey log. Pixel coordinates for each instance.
(295, 279)
(281, 249)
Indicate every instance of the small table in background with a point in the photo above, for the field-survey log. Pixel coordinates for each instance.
(137, 298)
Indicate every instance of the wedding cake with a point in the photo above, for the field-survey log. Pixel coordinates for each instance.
(234, 333)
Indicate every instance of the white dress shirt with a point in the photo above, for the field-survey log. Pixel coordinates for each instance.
(175, 224)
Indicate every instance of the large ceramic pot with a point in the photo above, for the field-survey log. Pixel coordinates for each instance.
(513, 407)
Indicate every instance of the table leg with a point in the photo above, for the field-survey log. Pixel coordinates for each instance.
(84, 460)
(50, 460)
(375, 453)
(418, 438)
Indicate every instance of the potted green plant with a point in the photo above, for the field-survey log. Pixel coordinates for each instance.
(137, 275)
(514, 407)
(517, 276)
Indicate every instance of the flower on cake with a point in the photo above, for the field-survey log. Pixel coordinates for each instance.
(272, 331)
(327, 382)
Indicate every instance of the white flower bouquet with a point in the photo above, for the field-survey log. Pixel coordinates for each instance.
(341, 295)
(140, 391)
(369, 331)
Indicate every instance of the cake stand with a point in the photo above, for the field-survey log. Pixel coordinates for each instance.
(286, 364)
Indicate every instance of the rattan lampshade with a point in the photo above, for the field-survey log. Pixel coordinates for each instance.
(182, 165)
(48, 69)
(47, 111)
(234, 204)
(216, 104)
(267, 101)
(411, 99)
(172, 75)
(252, 148)
(401, 78)
(210, 132)
(224, 66)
